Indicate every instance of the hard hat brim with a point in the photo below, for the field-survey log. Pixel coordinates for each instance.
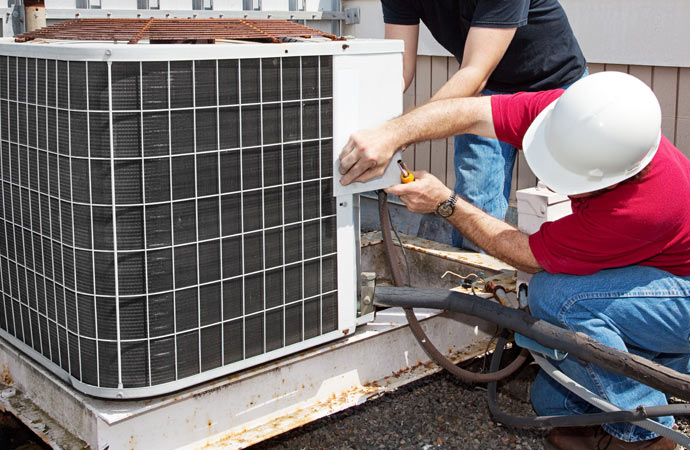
(553, 174)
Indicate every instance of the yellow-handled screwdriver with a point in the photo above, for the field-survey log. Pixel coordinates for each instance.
(406, 176)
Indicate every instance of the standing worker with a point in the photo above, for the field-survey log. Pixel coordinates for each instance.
(503, 46)
(617, 269)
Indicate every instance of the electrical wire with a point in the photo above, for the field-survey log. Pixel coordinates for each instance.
(431, 351)
(602, 404)
(402, 248)
(580, 420)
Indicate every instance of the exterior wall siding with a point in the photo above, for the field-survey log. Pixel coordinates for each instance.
(670, 84)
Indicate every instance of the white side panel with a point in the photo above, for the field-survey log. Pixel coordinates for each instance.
(273, 5)
(428, 45)
(367, 91)
(348, 257)
(106, 51)
(61, 4)
(227, 5)
(118, 4)
(176, 4)
(638, 32)
(316, 5)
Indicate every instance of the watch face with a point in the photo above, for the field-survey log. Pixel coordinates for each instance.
(445, 209)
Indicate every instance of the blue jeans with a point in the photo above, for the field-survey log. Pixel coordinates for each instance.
(641, 310)
(483, 172)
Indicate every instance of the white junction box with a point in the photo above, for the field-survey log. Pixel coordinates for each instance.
(536, 206)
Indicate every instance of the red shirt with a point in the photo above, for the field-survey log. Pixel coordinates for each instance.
(644, 222)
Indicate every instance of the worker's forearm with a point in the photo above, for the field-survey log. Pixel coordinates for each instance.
(442, 119)
(494, 236)
(467, 82)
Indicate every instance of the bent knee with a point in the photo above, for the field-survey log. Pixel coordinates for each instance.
(543, 295)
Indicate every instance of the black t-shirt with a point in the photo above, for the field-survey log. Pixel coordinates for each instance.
(543, 54)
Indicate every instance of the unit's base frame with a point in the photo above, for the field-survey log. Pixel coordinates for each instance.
(245, 408)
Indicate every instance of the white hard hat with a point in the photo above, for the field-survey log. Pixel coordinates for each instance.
(604, 129)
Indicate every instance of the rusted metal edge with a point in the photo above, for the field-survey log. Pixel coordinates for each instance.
(174, 30)
(146, 26)
(441, 250)
(252, 26)
(336, 403)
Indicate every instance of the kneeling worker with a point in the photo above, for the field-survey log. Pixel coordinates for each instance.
(616, 269)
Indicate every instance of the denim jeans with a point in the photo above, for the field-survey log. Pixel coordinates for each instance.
(641, 310)
(483, 173)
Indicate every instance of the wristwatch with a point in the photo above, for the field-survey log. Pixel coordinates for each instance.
(445, 208)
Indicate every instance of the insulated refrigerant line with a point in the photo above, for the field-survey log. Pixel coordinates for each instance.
(577, 344)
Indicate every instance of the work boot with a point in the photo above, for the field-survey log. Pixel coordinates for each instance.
(595, 438)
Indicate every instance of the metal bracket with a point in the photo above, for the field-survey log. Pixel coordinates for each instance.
(351, 16)
(367, 287)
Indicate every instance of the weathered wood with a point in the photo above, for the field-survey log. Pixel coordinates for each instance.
(595, 67)
(422, 159)
(453, 67)
(512, 200)
(683, 119)
(525, 176)
(439, 147)
(644, 73)
(616, 68)
(409, 101)
(665, 86)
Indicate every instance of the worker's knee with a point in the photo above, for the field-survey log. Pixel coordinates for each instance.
(544, 295)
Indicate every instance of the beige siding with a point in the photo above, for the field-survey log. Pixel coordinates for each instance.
(670, 84)
(683, 112)
(422, 154)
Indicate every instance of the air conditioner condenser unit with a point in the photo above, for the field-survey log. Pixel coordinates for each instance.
(168, 211)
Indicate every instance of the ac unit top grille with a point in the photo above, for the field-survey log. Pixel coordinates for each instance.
(200, 31)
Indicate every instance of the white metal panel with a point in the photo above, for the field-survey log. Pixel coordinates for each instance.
(118, 4)
(273, 5)
(367, 92)
(317, 5)
(102, 51)
(348, 261)
(61, 4)
(428, 45)
(370, 19)
(227, 5)
(176, 4)
(641, 32)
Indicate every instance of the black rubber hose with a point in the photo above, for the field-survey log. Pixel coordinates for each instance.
(580, 420)
(433, 353)
(576, 344)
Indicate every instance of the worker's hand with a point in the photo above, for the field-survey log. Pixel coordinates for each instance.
(366, 155)
(423, 194)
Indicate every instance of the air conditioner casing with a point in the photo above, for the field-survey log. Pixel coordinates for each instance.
(168, 214)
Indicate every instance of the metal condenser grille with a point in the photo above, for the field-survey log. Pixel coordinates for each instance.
(162, 219)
